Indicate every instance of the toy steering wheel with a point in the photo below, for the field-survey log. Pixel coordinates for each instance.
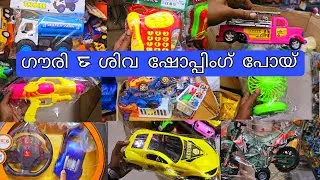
(31, 152)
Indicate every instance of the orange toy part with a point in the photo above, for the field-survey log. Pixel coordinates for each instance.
(103, 7)
(11, 32)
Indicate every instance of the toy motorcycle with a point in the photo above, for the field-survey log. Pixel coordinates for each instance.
(257, 151)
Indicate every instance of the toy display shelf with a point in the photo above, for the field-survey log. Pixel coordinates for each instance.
(185, 106)
(163, 111)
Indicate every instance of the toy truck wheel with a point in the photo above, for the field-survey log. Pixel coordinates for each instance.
(230, 36)
(242, 38)
(294, 44)
(263, 174)
(6, 34)
(62, 46)
(61, 8)
(26, 45)
(71, 6)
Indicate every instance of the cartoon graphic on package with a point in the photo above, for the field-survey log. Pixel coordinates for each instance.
(72, 154)
(61, 5)
(45, 88)
(246, 147)
(55, 32)
(153, 29)
(31, 153)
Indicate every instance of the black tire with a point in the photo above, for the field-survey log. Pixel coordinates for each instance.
(233, 171)
(295, 44)
(58, 46)
(294, 154)
(242, 38)
(23, 43)
(263, 174)
(230, 36)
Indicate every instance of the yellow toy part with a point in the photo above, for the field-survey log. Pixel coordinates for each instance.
(133, 20)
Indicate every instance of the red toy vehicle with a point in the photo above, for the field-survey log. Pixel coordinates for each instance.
(276, 31)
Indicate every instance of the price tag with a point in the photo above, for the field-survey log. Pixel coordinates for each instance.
(174, 4)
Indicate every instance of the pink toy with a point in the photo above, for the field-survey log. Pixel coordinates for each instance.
(202, 128)
(276, 31)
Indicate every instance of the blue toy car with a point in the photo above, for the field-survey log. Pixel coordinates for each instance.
(72, 154)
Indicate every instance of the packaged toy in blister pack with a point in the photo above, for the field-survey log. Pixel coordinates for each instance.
(48, 93)
(248, 148)
(7, 74)
(162, 97)
(154, 29)
(178, 154)
(45, 150)
(272, 98)
(48, 32)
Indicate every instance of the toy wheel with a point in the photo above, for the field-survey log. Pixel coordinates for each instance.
(6, 34)
(295, 44)
(143, 87)
(165, 80)
(230, 36)
(72, 7)
(288, 155)
(272, 107)
(61, 8)
(26, 45)
(62, 46)
(242, 38)
(263, 174)
(6, 11)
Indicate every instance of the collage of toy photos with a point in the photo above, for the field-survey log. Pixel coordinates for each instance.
(159, 128)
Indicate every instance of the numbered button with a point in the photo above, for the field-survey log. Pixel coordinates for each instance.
(165, 45)
(166, 33)
(157, 44)
(157, 49)
(165, 39)
(149, 38)
(150, 33)
(158, 39)
(158, 33)
(165, 49)
(149, 43)
(149, 49)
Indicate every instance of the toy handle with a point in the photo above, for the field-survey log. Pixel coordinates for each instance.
(30, 115)
(62, 98)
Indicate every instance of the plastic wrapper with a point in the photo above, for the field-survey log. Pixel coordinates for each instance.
(272, 99)
(179, 151)
(162, 97)
(47, 32)
(49, 96)
(43, 150)
(261, 150)
(7, 22)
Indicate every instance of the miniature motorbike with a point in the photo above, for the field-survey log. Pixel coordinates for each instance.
(257, 151)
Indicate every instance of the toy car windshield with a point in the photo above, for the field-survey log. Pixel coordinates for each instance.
(139, 141)
(171, 146)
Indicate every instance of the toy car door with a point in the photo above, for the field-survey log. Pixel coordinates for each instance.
(279, 30)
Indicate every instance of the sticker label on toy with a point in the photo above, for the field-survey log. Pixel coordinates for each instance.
(258, 34)
(175, 4)
(5, 142)
(281, 32)
(180, 5)
(52, 6)
(3, 157)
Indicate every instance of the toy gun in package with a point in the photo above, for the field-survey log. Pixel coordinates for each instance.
(45, 89)
(153, 29)
(5, 70)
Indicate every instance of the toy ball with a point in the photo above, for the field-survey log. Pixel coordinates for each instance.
(186, 97)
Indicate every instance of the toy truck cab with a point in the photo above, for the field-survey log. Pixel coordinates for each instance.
(55, 32)
(276, 31)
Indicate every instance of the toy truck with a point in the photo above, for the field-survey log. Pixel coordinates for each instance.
(61, 5)
(55, 32)
(276, 31)
(6, 26)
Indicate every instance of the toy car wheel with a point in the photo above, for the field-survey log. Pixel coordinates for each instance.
(242, 38)
(62, 46)
(61, 8)
(6, 10)
(26, 45)
(6, 15)
(6, 34)
(263, 174)
(290, 154)
(165, 80)
(295, 44)
(72, 7)
(230, 36)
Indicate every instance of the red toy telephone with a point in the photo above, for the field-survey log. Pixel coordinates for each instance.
(153, 29)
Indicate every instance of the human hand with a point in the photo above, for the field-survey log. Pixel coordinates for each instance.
(5, 110)
(123, 42)
(63, 175)
(246, 105)
(117, 157)
(222, 10)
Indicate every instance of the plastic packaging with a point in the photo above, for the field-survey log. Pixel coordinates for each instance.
(180, 152)
(272, 98)
(43, 150)
(46, 93)
(48, 32)
(161, 97)
(248, 148)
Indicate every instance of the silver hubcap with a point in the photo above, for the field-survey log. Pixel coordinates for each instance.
(6, 34)
(262, 176)
(229, 36)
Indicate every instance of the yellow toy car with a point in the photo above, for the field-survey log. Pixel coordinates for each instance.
(141, 83)
(172, 155)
